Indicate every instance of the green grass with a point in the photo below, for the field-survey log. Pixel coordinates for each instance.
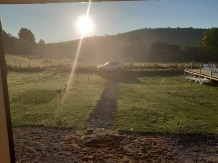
(34, 101)
(167, 105)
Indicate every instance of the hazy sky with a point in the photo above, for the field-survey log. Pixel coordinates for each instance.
(58, 22)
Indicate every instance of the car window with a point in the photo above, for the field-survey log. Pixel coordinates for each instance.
(108, 63)
(114, 63)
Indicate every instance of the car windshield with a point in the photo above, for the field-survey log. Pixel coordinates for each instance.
(107, 63)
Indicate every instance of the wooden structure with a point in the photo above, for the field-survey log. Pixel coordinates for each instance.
(201, 73)
(53, 1)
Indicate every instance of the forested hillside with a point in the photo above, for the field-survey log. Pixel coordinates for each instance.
(177, 36)
(132, 46)
(143, 45)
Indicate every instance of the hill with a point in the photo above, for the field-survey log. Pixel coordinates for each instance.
(177, 36)
(143, 45)
(129, 46)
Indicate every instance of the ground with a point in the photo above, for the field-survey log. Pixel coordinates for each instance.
(38, 144)
(99, 143)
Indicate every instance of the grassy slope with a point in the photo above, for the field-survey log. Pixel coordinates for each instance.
(167, 105)
(33, 99)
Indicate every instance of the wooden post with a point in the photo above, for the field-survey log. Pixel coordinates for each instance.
(185, 68)
(211, 72)
(6, 139)
(177, 64)
(191, 68)
(200, 71)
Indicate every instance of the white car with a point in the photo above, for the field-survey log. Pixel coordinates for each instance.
(111, 66)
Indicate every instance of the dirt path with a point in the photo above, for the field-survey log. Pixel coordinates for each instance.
(103, 115)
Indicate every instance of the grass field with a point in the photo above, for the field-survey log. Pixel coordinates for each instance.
(34, 101)
(24, 64)
(167, 105)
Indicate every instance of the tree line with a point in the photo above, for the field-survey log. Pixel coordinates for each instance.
(160, 45)
(206, 50)
(25, 44)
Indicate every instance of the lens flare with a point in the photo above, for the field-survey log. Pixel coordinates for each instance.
(83, 30)
(85, 24)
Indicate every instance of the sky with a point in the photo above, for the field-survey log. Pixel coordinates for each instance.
(57, 22)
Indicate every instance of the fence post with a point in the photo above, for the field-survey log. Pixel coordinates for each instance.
(211, 69)
(191, 68)
(211, 73)
(185, 68)
(200, 71)
(177, 64)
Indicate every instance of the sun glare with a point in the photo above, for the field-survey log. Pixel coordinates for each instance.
(85, 24)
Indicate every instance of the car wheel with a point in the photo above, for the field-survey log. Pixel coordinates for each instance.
(102, 70)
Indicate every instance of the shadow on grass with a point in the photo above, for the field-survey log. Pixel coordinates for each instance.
(213, 84)
(119, 77)
(131, 76)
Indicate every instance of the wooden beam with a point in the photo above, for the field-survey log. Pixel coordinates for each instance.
(208, 75)
(185, 68)
(211, 72)
(54, 1)
(6, 139)
(200, 71)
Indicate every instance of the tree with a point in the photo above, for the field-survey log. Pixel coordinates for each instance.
(10, 43)
(163, 52)
(192, 53)
(27, 42)
(40, 47)
(209, 42)
(26, 36)
(135, 41)
(135, 50)
(41, 44)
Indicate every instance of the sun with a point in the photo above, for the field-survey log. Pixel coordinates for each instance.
(85, 24)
